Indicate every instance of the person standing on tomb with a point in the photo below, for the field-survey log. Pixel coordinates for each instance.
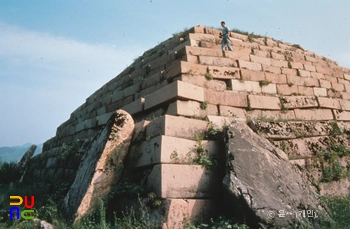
(225, 37)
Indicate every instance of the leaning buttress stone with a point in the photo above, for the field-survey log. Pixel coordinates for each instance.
(261, 181)
(101, 167)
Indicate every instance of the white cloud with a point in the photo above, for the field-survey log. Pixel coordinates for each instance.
(23, 48)
(43, 78)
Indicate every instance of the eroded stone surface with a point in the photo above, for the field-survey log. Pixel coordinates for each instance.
(23, 163)
(171, 150)
(299, 101)
(261, 180)
(312, 146)
(335, 188)
(101, 167)
(184, 181)
(294, 129)
(195, 211)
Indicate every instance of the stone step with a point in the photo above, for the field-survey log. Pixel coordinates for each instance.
(177, 89)
(176, 127)
(311, 146)
(172, 150)
(192, 109)
(294, 129)
(184, 181)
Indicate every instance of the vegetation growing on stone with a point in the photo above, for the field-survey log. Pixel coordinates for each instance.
(214, 133)
(199, 156)
(332, 170)
(204, 105)
(208, 76)
(298, 72)
(264, 83)
(335, 129)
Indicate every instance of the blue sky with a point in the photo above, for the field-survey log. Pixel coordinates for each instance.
(54, 54)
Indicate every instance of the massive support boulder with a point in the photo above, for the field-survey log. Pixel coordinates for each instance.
(23, 163)
(101, 166)
(264, 186)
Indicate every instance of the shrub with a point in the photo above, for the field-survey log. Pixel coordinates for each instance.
(214, 133)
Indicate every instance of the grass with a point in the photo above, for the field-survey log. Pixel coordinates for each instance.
(47, 209)
(219, 223)
(130, 218)
(49, 199)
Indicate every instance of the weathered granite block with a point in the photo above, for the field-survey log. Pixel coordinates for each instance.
(220, 121)
(299, 101)
(202, 37)
(217, 61)
(224, 72)
(176, 126)
(171, 150)
(320, 91)
(285, 89)
(232, 111)
(314, 114)
(252, 75)
(198, 51)
(181, 211)
(269, 89)
(135, 106)
(276, 78)
(344, 115)
(192, 109)
(311, 82)
(102, 119)
(328, 103)
(174, 90)
(260, 60)
(202, 81)
(338, 86)
(247, 86)
(227, 98)
(184, 181)
(264, 102)
(249, 65)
